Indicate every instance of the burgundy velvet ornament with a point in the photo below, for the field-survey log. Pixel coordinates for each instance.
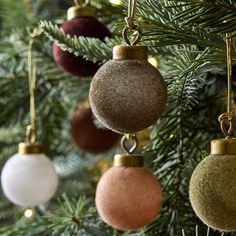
(80, 23)
(87, 136)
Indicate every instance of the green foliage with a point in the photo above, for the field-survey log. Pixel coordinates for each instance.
(197, 232)
(73, 218)
(187, 37)
(90, 48)
(76, 218)
(218, 16)
(185, 76)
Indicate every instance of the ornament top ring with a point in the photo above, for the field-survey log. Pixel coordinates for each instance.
(133, 52)
(223, 146)
(80, 10)
(30, 148)
(128, 159)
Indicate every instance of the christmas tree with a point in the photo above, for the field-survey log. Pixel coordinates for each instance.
(186, 42)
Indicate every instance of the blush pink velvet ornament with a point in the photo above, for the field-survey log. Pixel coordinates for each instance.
(128, 198)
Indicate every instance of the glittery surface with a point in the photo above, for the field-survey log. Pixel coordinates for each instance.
(213, 191)
(128, 197)
(80, 26)
(127, 95)
(87, 136)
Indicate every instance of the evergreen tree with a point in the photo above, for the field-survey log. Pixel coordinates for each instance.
(186, 37)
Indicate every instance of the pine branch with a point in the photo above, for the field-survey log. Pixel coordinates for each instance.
(207, 233)
(76, 217)
(185, 76)
(26, 227)
(217, 15)
(91, 49)
(159, 27)
(177, 146)
(164, 35)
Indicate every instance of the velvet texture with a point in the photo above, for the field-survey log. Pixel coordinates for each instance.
(127, 96)
(80, 26)
(128, 198)
(212, 191)
(87, 136)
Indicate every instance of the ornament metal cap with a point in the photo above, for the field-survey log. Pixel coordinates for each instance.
(224, 146)
(132, 52)
(30, 148)
(78, 10)
(128, 160)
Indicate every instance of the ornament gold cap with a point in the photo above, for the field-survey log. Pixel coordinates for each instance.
(30, 148)
(78, 10)
(224, 146)
(132, 52)
(128, 160)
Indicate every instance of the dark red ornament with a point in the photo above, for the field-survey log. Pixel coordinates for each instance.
(87, 136)
(81, 25)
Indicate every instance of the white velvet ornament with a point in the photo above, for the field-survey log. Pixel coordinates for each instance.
(29, 179)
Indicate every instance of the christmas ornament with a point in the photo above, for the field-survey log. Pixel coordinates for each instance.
(128, 94)
(128, 196)
(81, 22)
(212, 185)
(28, 178)
(87, 136)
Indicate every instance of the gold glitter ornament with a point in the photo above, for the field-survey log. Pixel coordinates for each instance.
(128, 94)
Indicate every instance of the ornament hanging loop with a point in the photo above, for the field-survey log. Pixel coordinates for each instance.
(226, 124)
(226, 119)
(31, 134)
(128, 138)
(131, 26)
(84, 4)
(136, 36)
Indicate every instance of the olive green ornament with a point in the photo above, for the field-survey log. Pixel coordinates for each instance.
(212, 187)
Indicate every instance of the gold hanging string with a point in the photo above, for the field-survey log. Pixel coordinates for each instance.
(131, 25)
(131, 11)
(229, 45)
(129, 138)
(31, 132)
(226, 119)
(84, 4)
